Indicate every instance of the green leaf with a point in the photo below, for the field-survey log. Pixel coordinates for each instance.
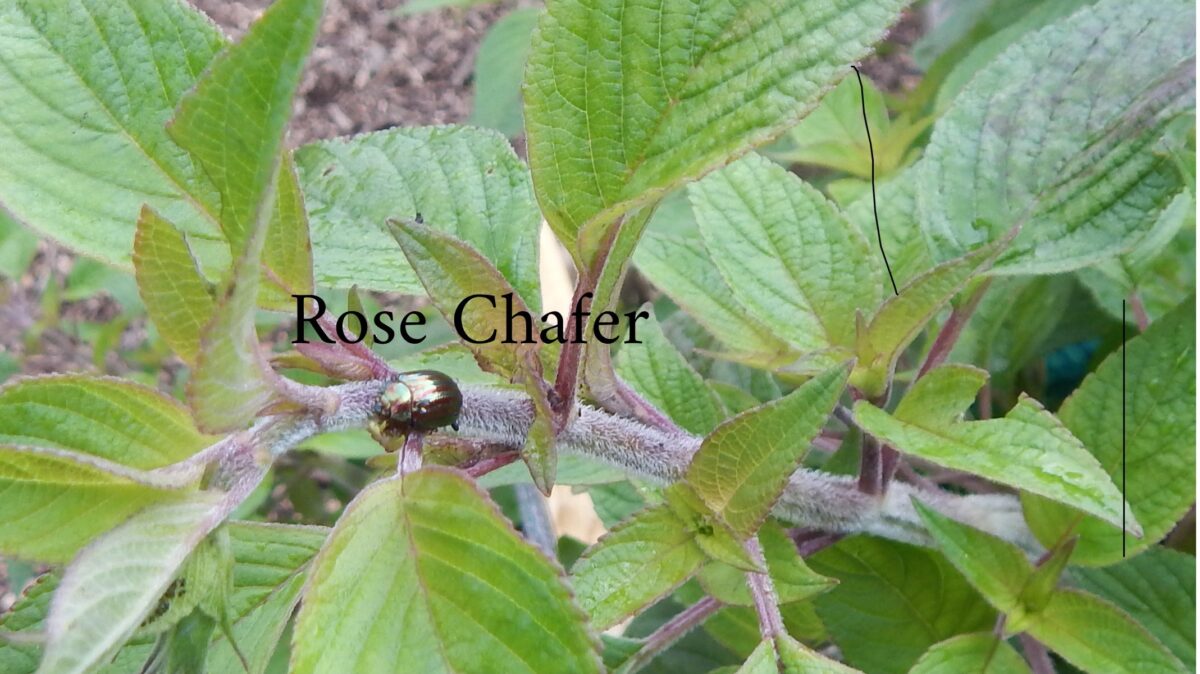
(981, 653)
(1160, 269)
(60, 501)
(1029, 448)
(785, 655)
(426, 575)
(798, 659)
(833, 135)
(785, 252)
(614, 502)
(902, 317)
(743, 466)
(271, 567)
(232, 381)
(1099, 638)
(499, 65)
(17, 247)
(26, 617)
(178, 299)
(634, 564)
(623, 104)
(106, 592)
(462, 181)
(893, 602)
(86, 90)
(74, 448)
(998, 569)
(1091, 193)
(657, 371)
(1160, 422)
(1013, 323)
(682, 268)
(1040, 587)
(899, 224)
(1157, 588)
(572, 470)
(106, 417)
(1147, 268)
(998, 26)
(792, 578)
(240, 108)
(713, 535)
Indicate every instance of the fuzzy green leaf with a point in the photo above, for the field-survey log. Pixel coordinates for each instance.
(270, 569)
(902, 317)
(246, 95)
(623, 103)
(833, 135)
(26, 617)
(785, 655)
(499, 66)
(60, 500)
(634, 564)
(1029, 448)
(178, 298)
(893, 602)
(784, 250)
(742, 467)
(462, 181)
(656, 370)
(451, 271)
(1092, 191)
(1160, 438)
(233, 381)
(981, 653)
(75, 446)
(240, 108)
(269, 572)
(106, 417)
(1099, 638)
(792, 578)
(682, 268)
(1158, 589)
(1013, 322)
(426, 575)
(899, 224)
(107, 592)
(86, 90)
(999, 570)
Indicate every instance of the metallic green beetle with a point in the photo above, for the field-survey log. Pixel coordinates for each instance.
(423, 400)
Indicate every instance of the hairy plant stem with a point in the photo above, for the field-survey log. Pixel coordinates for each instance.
(671, 631)
(812, 499)
(500, 418)
(1139, 311)
(535, 518)
(1036, 655)
(951, 330)
(762, 591)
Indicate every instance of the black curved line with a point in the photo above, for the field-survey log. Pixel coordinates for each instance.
(874, 201)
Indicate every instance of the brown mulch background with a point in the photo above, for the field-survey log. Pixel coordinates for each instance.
(373, 68)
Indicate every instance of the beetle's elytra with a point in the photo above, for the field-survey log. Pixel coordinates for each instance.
(423, 400)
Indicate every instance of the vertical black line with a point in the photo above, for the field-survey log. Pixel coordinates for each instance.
(874, 202)
(1124, 506)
